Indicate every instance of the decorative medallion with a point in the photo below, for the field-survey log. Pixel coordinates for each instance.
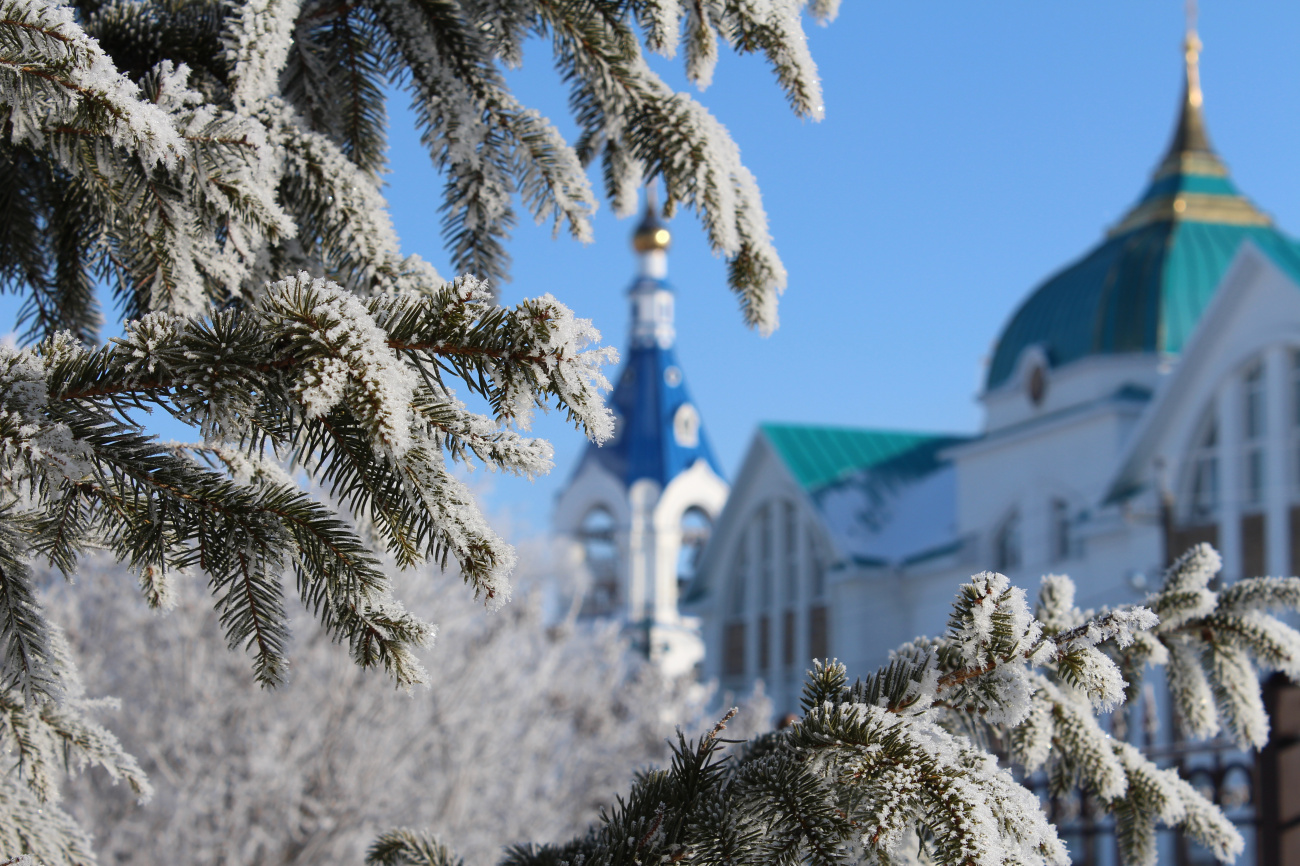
(686, 425)
(1036, 384)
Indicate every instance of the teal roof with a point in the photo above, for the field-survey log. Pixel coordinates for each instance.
(818, 455)
(1143, 288)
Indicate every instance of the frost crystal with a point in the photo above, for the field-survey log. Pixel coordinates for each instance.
(353, 362)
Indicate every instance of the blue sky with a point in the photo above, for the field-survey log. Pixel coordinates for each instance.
(969, 150)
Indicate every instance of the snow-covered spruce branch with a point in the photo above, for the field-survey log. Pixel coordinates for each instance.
(875, 770)
(1214, 646)
(352, 391)
(56, 77)
(639, 127)
(845, 783)
(486, 144)
(1213, 642)
(403, 847)
(337, 205)
(144, 183)
(239, 142)
(44, 735)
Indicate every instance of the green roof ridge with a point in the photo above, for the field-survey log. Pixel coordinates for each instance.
(818, 454)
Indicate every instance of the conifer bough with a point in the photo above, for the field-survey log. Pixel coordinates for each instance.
(892, 770)
(217, 164)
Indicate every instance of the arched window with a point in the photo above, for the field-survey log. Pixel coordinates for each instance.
(819, 640)
(739, 580)
(1006, 544)
(789, 581)
(1252, 436)
(1195, 519)
(816, 568)
(766, 557)
(766, 582)
(1060, 530)
(696, 529)
(600, 555)
(733, 629)
(790, 552)
(1295, 426)
(1202, 497)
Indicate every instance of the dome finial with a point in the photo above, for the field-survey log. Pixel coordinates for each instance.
(1192, 54)
(1190, 150)
(1189, 135)
(1191, 183)
(651, 234)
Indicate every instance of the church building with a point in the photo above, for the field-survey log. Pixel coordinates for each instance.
(639, 509)
(1143, 398)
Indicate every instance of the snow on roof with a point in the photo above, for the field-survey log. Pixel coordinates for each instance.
(885, 496)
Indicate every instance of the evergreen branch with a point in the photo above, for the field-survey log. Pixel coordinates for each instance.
(25, 658)
(402, 847)
(139, 36)
(433, 49)
(643, 127)
(60, 733)
(39, 829)
(339, 209)
(257, 42)
(41, 41)
(334, 78)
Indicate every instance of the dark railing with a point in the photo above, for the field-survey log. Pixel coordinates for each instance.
(1278, 777)
(1239, 782)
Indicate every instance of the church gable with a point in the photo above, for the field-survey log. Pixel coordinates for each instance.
(812, 505)
(882, 496)
(1258, 305)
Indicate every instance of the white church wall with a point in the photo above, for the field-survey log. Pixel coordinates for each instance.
(1067, 459)
(594, 487)
(874, 610)
(771, 542)
(642, 548)
(1089, 379)
(697, 487)
(719, 606)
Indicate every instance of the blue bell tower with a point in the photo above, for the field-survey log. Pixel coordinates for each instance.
(638, 509)
(659, 431)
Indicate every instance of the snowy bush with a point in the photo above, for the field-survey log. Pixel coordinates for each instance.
(526, 730)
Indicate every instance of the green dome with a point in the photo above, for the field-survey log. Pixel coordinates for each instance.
(1144, 287)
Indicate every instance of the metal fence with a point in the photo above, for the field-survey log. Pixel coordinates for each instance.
(1219, 770)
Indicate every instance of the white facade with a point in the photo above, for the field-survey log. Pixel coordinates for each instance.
(1122, 463)
(767, 608)
(1142, 399)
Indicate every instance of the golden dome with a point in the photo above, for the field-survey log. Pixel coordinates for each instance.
(651, 234)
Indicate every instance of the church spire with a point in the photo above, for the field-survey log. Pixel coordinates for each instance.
(1191, 183)
(1190, 150)
(651, 240)
(651, 297)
